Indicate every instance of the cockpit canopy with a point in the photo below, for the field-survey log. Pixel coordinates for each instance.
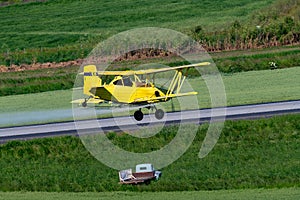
(123, 81)
(127, 81)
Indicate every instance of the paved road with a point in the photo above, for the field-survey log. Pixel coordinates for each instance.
(128, 123)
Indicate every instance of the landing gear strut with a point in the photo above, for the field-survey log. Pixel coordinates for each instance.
(84, 104)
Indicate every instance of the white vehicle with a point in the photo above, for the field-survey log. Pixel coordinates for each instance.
(144, 173)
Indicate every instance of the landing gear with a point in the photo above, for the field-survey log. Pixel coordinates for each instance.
(84, 104)
(138, 115)
(159, 114)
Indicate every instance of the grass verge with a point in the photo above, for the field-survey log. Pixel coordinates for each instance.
(247, 194)
(249, 154)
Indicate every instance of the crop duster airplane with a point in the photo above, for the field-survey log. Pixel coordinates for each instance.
(128, 88)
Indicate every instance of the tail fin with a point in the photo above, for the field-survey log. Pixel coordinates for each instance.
(91, 79)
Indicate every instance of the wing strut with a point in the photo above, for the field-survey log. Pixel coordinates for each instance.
(176, 83)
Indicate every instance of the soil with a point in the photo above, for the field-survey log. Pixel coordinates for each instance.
(135, 55)
(35, 66)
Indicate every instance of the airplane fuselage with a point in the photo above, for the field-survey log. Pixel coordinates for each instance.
(127, 94)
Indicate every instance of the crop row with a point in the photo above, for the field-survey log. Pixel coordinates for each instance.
(68, 40)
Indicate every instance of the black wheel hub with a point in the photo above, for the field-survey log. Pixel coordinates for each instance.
(138, 115)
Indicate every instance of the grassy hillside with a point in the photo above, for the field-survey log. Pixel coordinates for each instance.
(249, 154)
(73, 19)
(54, 31)
(66, 30)
(275, 25)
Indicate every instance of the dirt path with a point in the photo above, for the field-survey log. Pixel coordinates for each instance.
(78, 62)
(24, 67)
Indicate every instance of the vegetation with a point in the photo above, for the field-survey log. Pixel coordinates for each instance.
(278, 24)
(57, 37)
(252, 87)
(73, 35)
(42, 80)
(9, 2)
(246, 194)
(52, 100)
(249, 154)
(258, 60)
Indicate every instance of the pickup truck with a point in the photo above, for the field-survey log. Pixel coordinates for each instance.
(144, 173)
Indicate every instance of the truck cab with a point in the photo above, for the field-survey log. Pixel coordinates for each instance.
(144, 168)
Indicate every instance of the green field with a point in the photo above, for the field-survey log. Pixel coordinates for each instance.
(41, 80)
(66, 22)
(246, 194)
(250, 154)
(241, 88)
(253, 159)
(68, 30)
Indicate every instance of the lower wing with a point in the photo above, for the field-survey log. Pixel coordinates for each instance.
(162, 98)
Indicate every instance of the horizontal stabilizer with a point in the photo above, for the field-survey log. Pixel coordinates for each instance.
(90, 101)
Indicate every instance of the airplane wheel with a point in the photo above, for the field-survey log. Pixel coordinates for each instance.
(138, 115)
(159, 114)
(84, 104)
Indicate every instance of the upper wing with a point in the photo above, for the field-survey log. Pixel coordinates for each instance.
(153, 71)
(148, 71)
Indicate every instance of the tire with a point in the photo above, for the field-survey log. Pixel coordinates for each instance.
(159, 114)
(84, 104)
(138, 115)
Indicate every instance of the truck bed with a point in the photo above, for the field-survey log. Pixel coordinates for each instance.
(140, 177)
(143, 175)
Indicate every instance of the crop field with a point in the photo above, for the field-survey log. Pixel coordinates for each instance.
(246, 194)
(68, 30)
(65, 22)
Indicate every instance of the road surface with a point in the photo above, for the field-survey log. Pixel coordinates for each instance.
(128, 123)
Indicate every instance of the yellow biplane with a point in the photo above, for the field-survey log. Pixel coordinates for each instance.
(128, 87)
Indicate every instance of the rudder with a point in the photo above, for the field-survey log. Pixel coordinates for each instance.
(91, 79)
